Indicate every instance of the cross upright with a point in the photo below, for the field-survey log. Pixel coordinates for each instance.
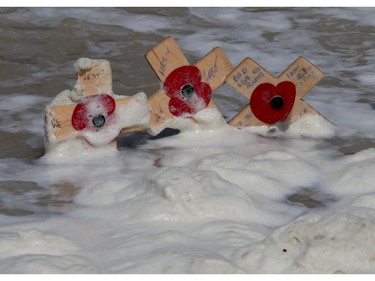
(187, 89)
(273, 99)
(91, 108)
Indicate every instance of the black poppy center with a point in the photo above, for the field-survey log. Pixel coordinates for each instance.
(98, 120)
(277, 102)
(187, 91)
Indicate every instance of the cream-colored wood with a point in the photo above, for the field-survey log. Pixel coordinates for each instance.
(165, 57)
(59, 123)
(132, 130)
(214, 67)
(303, 74)
(59, 120)
(245, 118)
(96, 80)
(248, 75)
(299, 109)
(159, 106)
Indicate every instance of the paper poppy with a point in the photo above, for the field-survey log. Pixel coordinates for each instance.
(187, 92)
(93, 112)
(271, 104)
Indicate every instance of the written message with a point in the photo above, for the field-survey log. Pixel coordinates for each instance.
(163, 62)
(248, 77)
(211, 71)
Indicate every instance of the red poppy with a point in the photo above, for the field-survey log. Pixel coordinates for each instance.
(271, 104)
(187, 92)
(92, 112)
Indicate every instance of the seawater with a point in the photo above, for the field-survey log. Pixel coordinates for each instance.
(214, 201)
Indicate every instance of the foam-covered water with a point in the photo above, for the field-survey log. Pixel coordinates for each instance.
(217, 200)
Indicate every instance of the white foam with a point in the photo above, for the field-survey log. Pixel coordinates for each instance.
(130, 111)
(83, 64)
(212, 199)
(317, 243)
(33, 251)
(217, 204)
(134, 113)
(311, 125)
(205, 119)
(352, 176)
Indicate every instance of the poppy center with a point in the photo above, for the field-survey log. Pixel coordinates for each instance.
(277, 102)
(98, 120)
(187, 91)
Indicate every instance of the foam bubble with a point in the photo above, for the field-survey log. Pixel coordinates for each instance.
(212, 199)
(32, 251)
(317, 243)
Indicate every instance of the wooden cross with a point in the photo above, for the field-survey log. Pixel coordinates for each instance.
(165, 58)
(95, 79)
(273, 99)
